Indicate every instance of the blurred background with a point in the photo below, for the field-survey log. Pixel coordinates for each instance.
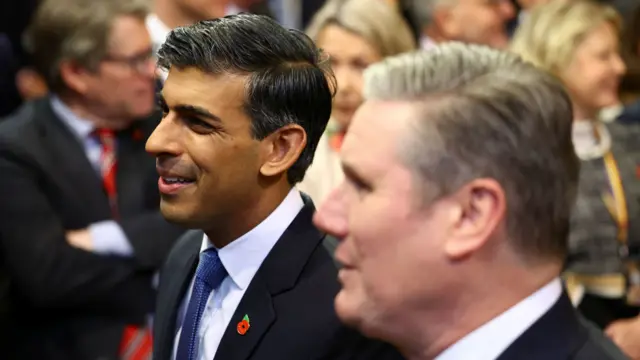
(79, 60)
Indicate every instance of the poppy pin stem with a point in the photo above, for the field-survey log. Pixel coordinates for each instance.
(244, 325)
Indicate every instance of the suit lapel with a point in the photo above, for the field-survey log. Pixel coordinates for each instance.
(278, 273)
(556, 334)
(258, 306)
(178, 276)
(66, 158)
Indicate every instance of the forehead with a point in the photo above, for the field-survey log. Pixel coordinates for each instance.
(217, 93)
(377, 130)
(338, 41)
(600, 36)
(129, 35)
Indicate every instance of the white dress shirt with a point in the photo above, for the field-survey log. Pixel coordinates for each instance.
(493, 338)
(585, 142)
(241, 258)
(426, 43)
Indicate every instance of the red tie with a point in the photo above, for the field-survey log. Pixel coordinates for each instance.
(136, 341)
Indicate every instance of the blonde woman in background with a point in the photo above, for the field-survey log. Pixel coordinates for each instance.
(355, 34)
(578, 42)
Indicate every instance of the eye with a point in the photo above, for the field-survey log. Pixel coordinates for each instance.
(360, 64)
(197, 125)
(358, 185)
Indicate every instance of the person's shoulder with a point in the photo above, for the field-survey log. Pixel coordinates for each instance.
(625, 136)
(19, 131)
(627, 123)
(597, 346)
(20, 120)
(630, 113)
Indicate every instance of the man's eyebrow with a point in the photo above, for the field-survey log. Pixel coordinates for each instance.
(351, 172)
(190, 109)
(196, 110)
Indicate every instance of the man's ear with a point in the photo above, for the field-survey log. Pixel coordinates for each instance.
(30, 84)
(282, 149)
(481, 206)
(74, 76)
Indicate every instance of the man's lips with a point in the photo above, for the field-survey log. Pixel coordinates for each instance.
(171, 182)
(174, 176)
(171, 186)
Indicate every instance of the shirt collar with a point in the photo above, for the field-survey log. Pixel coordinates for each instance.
(243, 256)
(426, 43)
(522, 16)
(82, 128)
(493, 338)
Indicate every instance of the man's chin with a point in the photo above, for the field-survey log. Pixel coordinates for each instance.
(346, 310)
(176, 214)
(351, 311)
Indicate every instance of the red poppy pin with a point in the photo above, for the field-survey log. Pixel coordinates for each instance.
(638, 171)
(244, 325)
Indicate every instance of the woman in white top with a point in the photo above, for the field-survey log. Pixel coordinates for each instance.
(578, 42)
(355, 34)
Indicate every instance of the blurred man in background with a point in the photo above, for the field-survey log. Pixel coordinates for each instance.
(80, 230)
(470, 21)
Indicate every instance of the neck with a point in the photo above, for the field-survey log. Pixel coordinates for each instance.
(172, 15)
(473, 307)
(86, 111)
(248, 216)
(433, 34)
(581, 113)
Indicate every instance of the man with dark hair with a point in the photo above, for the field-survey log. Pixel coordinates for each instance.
(245, 103)
(469, 21)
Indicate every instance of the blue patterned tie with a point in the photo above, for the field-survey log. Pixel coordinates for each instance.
(209, 275)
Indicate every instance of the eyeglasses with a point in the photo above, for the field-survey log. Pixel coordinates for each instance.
(139, 62)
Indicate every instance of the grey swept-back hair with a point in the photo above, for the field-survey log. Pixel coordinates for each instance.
(485, 113)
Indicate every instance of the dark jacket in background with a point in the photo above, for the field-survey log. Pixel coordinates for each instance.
(58, 302)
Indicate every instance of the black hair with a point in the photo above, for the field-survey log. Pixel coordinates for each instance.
(289, 81)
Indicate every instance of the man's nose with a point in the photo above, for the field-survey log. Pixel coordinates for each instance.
(331, 216)
(164, 138)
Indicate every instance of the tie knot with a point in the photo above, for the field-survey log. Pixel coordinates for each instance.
(210, 268)
(105, 136)
(104, 132)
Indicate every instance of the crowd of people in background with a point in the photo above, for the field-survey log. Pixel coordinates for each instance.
(81, 93)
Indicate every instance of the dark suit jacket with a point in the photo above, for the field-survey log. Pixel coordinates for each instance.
(289, 301)
(562, 334)
(56, 301)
